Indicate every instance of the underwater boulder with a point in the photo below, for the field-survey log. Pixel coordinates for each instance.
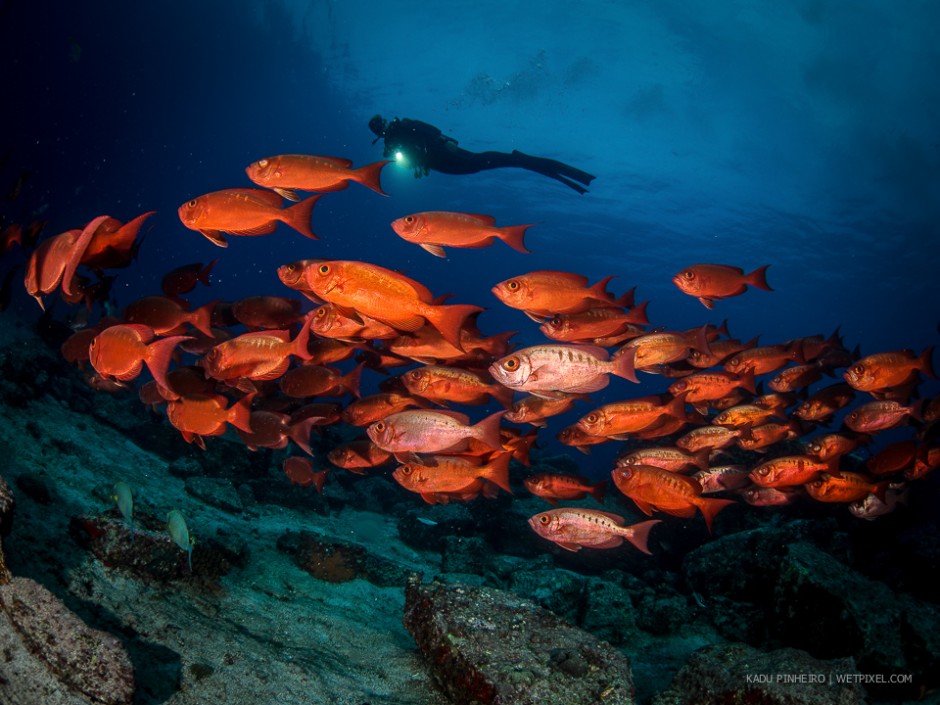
(340, 561)
(51, 657)
(737, 673)
(490, 646)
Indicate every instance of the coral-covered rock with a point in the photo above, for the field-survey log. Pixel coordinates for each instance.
(218, 492)
(339, 561)
(737, 673)
(152, 555)
(490, 646)
(6, 508)
(50, 654)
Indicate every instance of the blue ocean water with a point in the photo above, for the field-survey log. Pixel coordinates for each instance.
(801, 137)
(798, 135)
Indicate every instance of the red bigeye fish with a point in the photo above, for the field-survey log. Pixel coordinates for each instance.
(183, 279)
(300, 472)
(423, 431)
(709, 282)
(447, 475)
(544, 293)
(552, 371)
(202, 415)
(890, 369)
(432, 230)
(555, 486)
(264, 355)
(244, 211)
(54, 262)
(573, 529)
(120, 352)
(287, 173)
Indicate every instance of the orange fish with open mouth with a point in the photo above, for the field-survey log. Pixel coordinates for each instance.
(244, 211)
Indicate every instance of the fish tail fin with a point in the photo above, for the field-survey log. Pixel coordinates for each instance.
(159, 355)
(201, 318)
(758, 278)
(599, 290)
(350, 382)
(710, 508)
(639, 534)
(699, 341)
(627, 299)
(497, 471)
(319, 479)
(502, 394)
(487, 431)
(239, 414)
(450, 319)
(676, 408)
(701, 458)
(204, 273)
(300, 345)
(638, 314)
(879, 490)
(925, 363)
(78, 251)
(597, 491)
(369, 175)
(298, 217)
(300, 432)
(746, 381)
(625, 365)
(513, 235)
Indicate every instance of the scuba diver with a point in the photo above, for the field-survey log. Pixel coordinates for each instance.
(426, 148)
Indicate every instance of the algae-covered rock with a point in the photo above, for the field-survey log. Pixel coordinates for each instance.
(486, 646)
(218, 492)
(726, 674)
(53, 657)
(340, 561)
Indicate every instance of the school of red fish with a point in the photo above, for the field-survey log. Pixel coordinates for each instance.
(268, 370)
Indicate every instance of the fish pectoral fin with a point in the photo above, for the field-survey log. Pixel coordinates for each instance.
(535, 317)
(435, 250)
(408, 325)
(644, 507)
(215, 237)
(288, 193)
(707, 303)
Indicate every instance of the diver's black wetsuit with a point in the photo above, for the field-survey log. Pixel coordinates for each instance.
(425, 147)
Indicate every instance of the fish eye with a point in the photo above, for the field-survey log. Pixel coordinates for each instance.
(409, 219)
(815, 447)
(289, 267)
(512, 285)
(94, 343)
(858, 369)
(681, 384)
(543, 519)
(763, 472)
(417, 374)
(735, 361)
(324, 269)
(192, 204)
(591, 418)
(380, 426)
(263, 163)
(406, 469)
(689, 274)
(511, 364)
(321, 312)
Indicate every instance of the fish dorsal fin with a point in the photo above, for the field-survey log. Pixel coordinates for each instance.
(616, 518)
(338, 161)
(456, 415)
(482, 217)
(593, 350)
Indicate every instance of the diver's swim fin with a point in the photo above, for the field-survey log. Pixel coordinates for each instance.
(553, 167)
